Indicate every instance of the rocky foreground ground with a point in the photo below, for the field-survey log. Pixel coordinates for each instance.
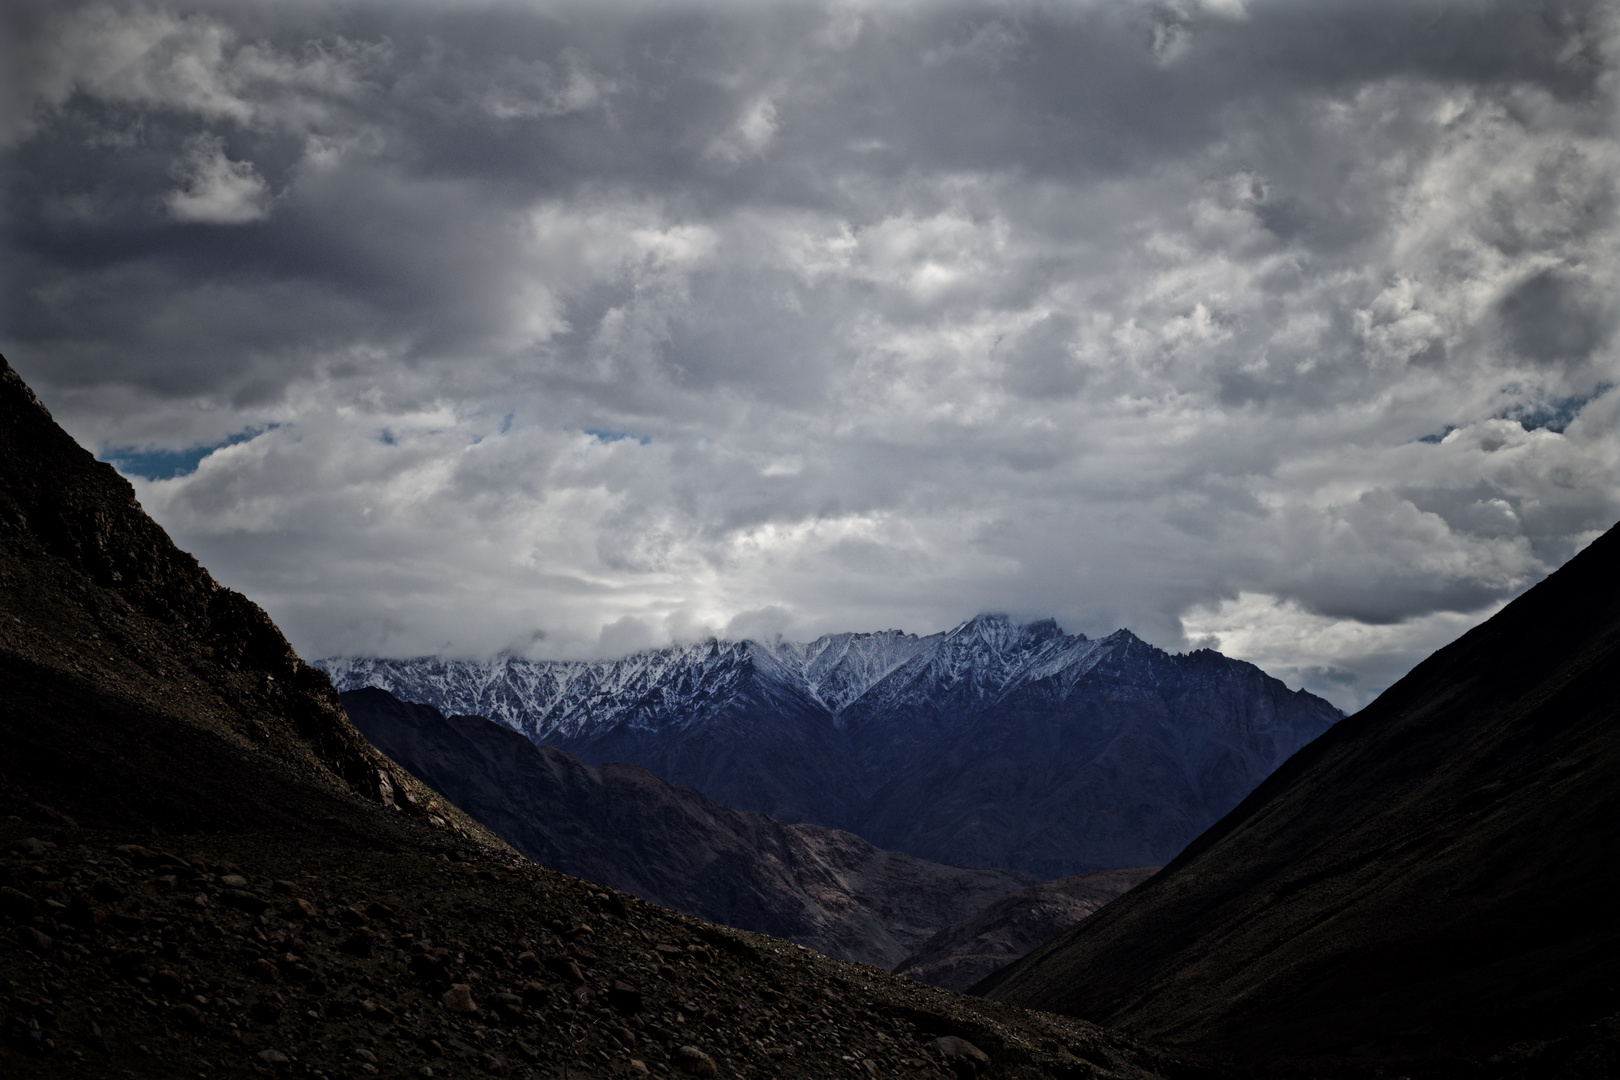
(208, 956)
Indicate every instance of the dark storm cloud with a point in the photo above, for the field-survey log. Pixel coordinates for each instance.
(477, 112)
(1553, 319)
(1125, 312)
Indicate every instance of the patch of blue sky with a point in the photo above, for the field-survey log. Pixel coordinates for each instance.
(386, 437)
(1557, 414)
(1554, 415)
(156, 463)
(616, 436)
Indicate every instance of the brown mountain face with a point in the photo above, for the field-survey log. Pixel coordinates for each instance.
(622, 826)
(1428, 884)
(966, 952)
(200, 874)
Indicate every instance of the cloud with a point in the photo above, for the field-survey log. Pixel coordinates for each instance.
(194, 64)
(1127, 314)
(531, 89)
(214, 189)
(1335, 658)
(748, 135)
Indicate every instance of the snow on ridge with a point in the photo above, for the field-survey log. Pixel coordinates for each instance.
(838, 668)
(974, 663)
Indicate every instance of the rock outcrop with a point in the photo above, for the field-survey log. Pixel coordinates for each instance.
(99, 590)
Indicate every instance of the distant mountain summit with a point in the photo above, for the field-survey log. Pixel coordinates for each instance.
(992, 744)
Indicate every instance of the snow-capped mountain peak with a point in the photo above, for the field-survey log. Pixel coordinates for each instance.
(838, 668)
(678, 685)
(851, 676)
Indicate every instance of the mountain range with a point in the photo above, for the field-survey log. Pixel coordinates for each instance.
(993, 744)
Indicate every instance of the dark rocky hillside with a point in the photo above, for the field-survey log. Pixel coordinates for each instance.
(202, 875)
(1430, 885)
(966, 952)
(620, 825)
(97, 591)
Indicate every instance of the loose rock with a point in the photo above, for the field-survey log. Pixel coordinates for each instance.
(566, 967)
(188, 1016)
(459, 999)
(34, 940)
(696, 1062)
(965, 1059)
(358, 943)
(624, 998)
(19, 905)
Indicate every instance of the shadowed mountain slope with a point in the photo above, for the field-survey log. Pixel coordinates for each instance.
(1085, 755)
(201, 873)
(622, 826)
(966, 952)
(1433, 879)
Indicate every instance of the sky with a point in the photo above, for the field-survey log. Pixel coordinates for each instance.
(570, 329)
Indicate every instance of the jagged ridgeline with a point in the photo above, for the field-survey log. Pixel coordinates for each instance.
(993, 744)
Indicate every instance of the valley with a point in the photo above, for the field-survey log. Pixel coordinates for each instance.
(963, 954)
(619, 825)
